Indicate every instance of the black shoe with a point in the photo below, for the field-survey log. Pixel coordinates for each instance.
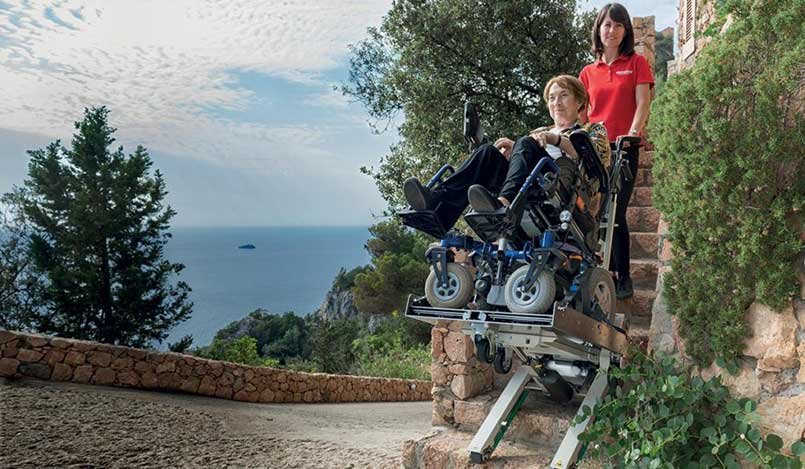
(481, 200)
(624, 289)
(417, 195)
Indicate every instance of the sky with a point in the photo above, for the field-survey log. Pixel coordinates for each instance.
(233, 99)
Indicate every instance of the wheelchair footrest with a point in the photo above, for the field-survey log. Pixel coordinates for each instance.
(425, 221)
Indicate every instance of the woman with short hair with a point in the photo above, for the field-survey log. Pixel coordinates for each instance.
(619, 84)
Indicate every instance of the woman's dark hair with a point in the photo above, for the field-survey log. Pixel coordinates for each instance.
(618, 13)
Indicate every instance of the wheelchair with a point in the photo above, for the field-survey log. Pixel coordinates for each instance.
(547, 249)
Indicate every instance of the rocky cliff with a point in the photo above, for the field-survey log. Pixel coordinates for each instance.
(338, 304)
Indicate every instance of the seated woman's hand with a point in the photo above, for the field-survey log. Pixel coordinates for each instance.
(543, 138)
(505, 146)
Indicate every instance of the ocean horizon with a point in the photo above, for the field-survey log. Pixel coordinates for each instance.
(289, 269)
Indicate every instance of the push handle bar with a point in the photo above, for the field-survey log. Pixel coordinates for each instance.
(630, 139)
(438, 176)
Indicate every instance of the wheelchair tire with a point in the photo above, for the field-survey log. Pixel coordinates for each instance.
(599, 288)
(459, 288)
(537, 300)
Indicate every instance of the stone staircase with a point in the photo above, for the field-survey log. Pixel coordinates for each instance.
(643, 221)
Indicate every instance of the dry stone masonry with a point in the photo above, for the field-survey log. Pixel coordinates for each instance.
(56, 359)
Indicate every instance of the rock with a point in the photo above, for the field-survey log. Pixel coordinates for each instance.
(466, 386)
(38, 341)
(267, 396)
(471, 413)
(189, 385)
(338, 305)
(28, 356)
(54, 356)
(458, 369)
(207, 386)
(35, 370)
(439, 374)
(149, 380)
(436, 342)
(61, 343)
(74, 358)
(123, 363)
(745, 384)
(409, 454)
(783, 416)
(166, 367)
(6, 336)
(801, 353)
(459, 347)
(82, 374)
(97, 358)
(104, 375)
(61, 372)
(128, 378)
(773, 340)
(8, 367)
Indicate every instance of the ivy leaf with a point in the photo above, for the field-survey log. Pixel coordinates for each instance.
(750, 406)
(779, 462)
(774, 442)
(798, 448)
(733, 407)
(742, 447)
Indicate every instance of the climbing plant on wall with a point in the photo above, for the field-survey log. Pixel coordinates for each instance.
(729, 135)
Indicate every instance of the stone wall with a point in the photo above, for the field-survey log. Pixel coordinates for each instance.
(56, 359)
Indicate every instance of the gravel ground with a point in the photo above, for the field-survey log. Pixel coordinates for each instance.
(44, 424)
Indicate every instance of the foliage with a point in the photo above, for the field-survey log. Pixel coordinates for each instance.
(98, 228)
(398, 269)
(660, 417)
(21, 287)
(332, 345)
(183, 345)
(398, 348)
(391, 360)
(729, 136)
(663, 52)
(427, 57)
(278, 336)
(241, 350)
(345, 280)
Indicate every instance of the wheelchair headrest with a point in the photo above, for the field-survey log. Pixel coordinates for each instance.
(589, 158)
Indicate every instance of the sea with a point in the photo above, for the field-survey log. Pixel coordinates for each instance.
(289, 269)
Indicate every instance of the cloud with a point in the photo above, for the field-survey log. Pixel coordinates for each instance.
(162, 66)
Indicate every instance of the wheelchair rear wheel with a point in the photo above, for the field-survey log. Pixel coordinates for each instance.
(599, 289)
(535, 300)
(458, 291)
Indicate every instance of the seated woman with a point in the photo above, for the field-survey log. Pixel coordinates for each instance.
(502, 168)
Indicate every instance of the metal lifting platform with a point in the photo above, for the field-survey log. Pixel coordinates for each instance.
(566, 345)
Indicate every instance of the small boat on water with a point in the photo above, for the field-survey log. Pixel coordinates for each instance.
(247, 246)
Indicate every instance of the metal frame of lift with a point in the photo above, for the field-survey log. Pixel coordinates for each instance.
(566, 333)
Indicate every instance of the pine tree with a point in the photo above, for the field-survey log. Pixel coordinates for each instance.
(99, 228)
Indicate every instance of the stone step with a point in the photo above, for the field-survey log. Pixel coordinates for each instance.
(646, 159)
(644, 245)
(644, 273)
(644, 178)
(643, 219)
(641, 197)
(443, 448)
(639, 305)
(540, 421)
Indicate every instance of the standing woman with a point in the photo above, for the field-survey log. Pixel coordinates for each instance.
(619, 84)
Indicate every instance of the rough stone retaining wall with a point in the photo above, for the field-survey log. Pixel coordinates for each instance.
(56, 359)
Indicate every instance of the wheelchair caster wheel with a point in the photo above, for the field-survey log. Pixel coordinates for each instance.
(482, 349)
(501, 365)
(535, 300)
(456, 293)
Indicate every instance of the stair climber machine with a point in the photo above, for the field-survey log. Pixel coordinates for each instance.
(535, 286)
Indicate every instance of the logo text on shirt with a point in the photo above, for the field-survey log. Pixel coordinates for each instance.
(623, 72)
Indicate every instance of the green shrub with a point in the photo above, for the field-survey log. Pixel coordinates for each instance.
(241, 350)
(728, 151)
(660, 417)
(378, 357)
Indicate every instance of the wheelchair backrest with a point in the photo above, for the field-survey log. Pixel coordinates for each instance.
(589, 159)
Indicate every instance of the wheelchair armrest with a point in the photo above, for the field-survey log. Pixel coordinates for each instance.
(438, 176)
(536, 173)
(589, 158)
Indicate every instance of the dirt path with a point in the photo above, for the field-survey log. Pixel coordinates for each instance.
(44, 424)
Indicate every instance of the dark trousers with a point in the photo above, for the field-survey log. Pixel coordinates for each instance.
(488, 167)
(619, 262)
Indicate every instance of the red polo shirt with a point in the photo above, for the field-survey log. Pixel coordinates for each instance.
(612, 91)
